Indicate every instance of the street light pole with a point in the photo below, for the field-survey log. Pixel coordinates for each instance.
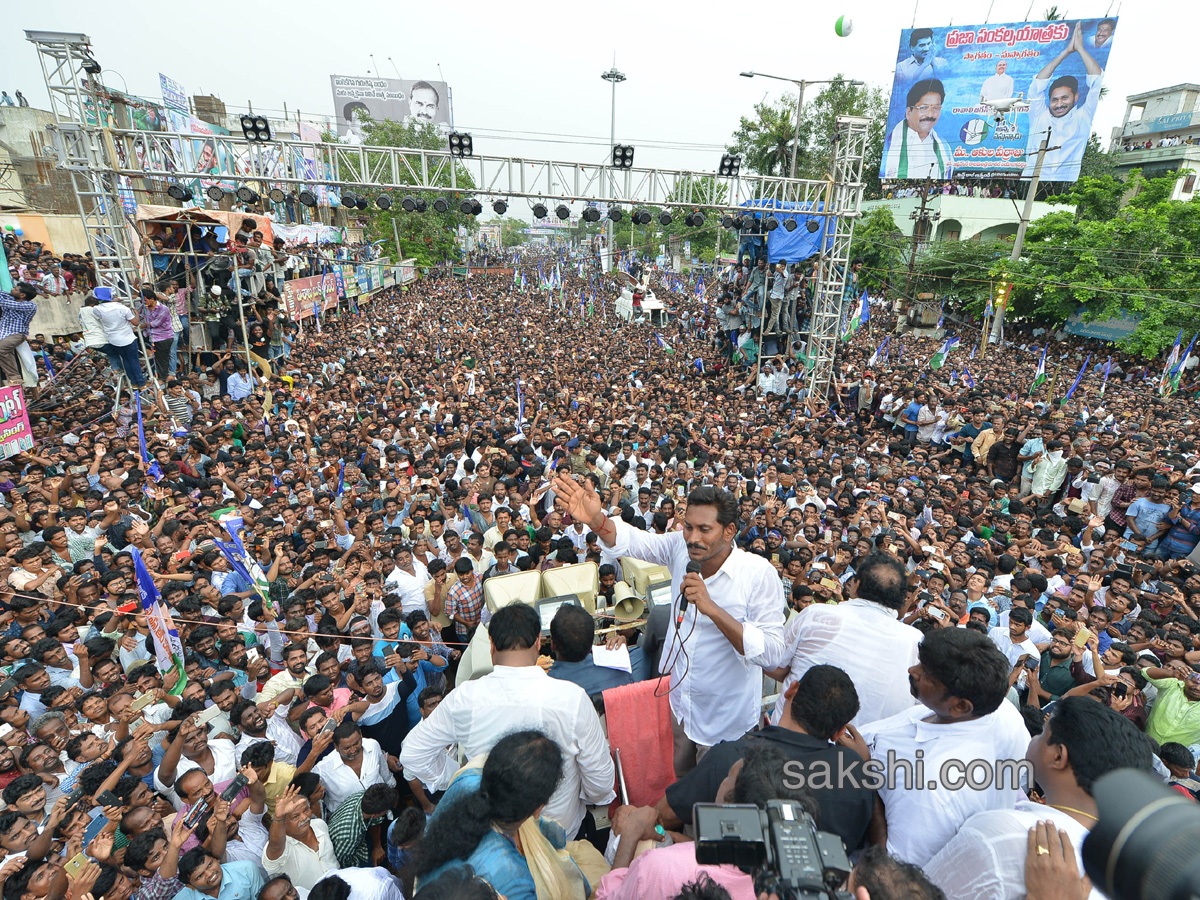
(796, 139)
(799, 105)
(614, 77)
(1019, 241)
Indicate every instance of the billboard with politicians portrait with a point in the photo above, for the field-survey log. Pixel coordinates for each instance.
(394, 99)
(978, 100)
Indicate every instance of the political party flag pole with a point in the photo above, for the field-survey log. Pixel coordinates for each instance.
(1075, 383)
(168, 649)
(152, 467)
(1040, 374)
(6, 283)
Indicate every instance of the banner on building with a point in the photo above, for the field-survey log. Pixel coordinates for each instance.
(174, 95)
(394, 99)
(978, 100)
(308, 234)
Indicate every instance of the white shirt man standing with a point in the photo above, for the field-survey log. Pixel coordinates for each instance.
(863, 637)
(999, 86)
(356, 764)
(730, 626)
(517, 694)
(408, 579)
(1082, 741)
(1056, 106)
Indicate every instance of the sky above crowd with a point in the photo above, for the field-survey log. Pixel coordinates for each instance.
(526, 79)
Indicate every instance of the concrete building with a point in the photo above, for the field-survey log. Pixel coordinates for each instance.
(28, 177)
(961, 218)
(1161, 133)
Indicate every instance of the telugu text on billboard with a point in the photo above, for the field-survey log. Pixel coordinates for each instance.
(978, 100)
(300, 295)
(174, 94)
(15, 434)
(395, 99)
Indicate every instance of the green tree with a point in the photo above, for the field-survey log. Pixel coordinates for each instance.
(512, 231)
(843, 98)
(882, 247)
(1096, 163)
(962, 272)
(1095, 199)
(764, 139)
(430, 237)
(1142, 258)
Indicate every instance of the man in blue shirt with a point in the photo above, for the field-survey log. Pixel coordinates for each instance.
(573, 631)
(908, 418)
(1147, 516)
(1184, 518)
(206, 877)
(225, 579)
(968, 433)
(240, 384)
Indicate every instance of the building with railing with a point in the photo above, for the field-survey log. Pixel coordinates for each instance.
(951, 217)
(1161, 133)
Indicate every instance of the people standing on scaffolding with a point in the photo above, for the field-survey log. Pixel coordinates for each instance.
(119, 322)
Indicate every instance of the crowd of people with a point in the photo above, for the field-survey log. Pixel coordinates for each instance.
(1175, 140)
(916, 188)
(936, 564)
(51, 275)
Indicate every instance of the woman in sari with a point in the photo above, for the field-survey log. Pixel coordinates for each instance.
(488, 820)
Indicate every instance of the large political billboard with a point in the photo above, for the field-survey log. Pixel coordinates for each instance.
(396, 99)
(978, 100)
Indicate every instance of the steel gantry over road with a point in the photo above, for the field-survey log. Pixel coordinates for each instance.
(97, 157)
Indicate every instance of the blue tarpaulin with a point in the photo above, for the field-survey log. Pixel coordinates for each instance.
(792, 246)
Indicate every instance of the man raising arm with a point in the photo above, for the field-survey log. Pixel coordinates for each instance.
(732, 624)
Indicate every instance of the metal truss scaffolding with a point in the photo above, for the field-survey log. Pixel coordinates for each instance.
(358, 168)
(98, 156)
(85, 150)
(846, 187)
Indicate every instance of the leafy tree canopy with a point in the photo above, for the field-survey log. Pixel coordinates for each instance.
(430, 237)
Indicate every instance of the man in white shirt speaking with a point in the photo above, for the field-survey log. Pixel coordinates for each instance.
(963, 734)
(863, 637)
(726, 619)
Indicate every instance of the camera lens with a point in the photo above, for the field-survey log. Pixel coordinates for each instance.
(1144, 845)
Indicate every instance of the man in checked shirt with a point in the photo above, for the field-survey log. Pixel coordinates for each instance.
(16, 312)
(464, 603)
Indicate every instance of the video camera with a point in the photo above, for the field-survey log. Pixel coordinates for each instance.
(779, 846)
(1143, 847)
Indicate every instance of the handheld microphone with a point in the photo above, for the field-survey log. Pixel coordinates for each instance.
(692, 566)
